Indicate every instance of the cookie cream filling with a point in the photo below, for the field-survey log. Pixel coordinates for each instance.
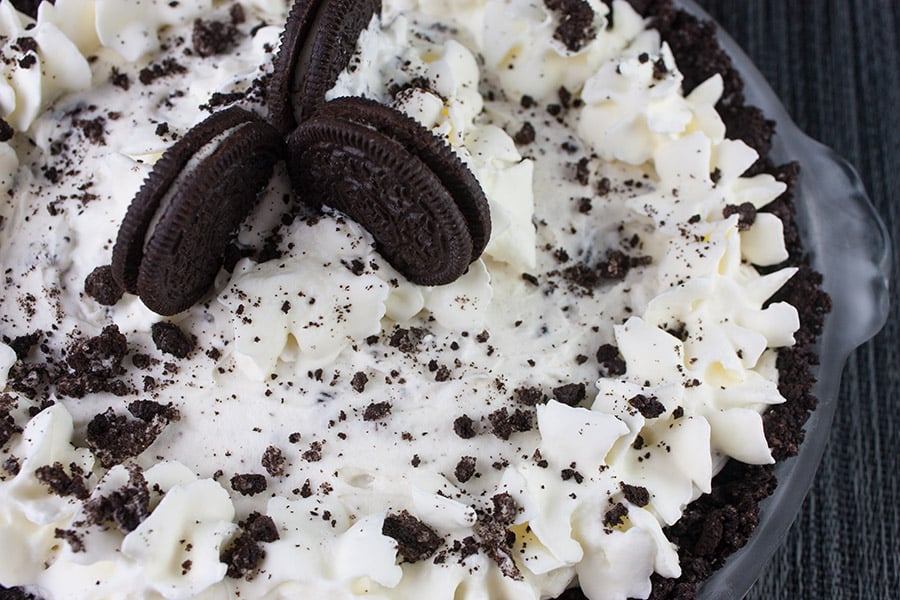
(337, 431)
(207, 150)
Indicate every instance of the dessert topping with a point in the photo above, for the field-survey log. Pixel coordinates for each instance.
(415, 540)
(171, 243)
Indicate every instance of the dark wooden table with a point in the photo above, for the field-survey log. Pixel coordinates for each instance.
(836, 66)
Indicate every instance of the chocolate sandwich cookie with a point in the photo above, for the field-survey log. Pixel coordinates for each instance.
(424, 207)
(172, 240)
(318, 40)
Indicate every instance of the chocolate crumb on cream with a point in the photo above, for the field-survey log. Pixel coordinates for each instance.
(102, 287)
(415, 540)
(169, 339)
(273, 461)
(249, 484)
(465, 468)
(213, 37)
(62, 483)
(126, 508)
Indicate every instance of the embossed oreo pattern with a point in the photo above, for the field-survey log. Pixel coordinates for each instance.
(416, 224)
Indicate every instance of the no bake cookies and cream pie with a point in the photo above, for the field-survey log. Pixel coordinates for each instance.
(412, 299)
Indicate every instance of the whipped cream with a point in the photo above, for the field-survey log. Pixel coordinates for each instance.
(480, 409)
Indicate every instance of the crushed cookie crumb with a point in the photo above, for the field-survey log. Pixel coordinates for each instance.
(649, 406)
(170, 339)
(464, 427)
(570, 394)
(167, 68)
(637, 495)
(76, 542)
(746, 214)
(616, 515)
(102, 287)
(504, 423)
(525, 135)
(416, 541)
(273, 461)
(611, 362)
(465, 469)
(125, 508)
(213, 37)
(576, 27)
(376, 411)
(314, 453)
(63, 483)
(529, 396)
(249, 484)
(359, 381)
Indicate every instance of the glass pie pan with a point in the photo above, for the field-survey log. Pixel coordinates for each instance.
(849, 244)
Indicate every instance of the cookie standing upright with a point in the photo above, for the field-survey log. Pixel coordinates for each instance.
(425, 209)
(318, 41)
(172, 240)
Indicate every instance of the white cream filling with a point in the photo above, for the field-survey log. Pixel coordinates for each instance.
(187, 172)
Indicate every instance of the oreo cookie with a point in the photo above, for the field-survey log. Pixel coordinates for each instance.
(172, 241)
(425, 209)
(318, 41)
